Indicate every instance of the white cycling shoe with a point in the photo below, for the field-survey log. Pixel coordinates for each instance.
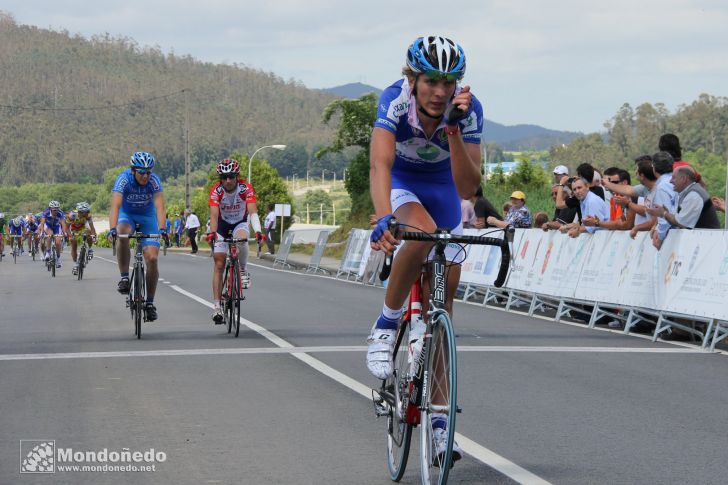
(440, 443)
(379, 355)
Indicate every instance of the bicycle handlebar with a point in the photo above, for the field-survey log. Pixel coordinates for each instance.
(233, 240)
(461, 239)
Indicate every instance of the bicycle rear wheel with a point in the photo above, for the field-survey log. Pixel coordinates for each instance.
(397, 388)
(81, 262)
(139, 298)
(440, 403)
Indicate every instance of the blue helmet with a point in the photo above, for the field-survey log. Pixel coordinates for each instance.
(436, 56)
(142, 160)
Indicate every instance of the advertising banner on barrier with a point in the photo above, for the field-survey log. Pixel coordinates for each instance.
(482, 262)
(693, 273)
(548, 263)
(557, 272)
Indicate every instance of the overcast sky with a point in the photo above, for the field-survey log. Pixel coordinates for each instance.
(562, 64)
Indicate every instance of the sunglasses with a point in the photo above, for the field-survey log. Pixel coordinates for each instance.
(437, 75)
(143, 172)
(228, 176)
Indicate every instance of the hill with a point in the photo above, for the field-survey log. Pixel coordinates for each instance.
(526, 137)
(352, 90)
(71, 107)
(516, 137)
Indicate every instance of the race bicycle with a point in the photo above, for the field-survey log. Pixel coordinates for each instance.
(15, 246)
(424, 382)
(52, 262)
(136, 299)
(83, 257)
(232, 289)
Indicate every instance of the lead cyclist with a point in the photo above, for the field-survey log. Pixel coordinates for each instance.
(425, 157)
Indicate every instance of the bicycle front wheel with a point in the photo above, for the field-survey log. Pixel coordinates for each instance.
(81, 262)
(138, 302)
(397, 387)
(228, 295)
(437, 420)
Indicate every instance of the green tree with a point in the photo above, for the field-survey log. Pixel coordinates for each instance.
(356, 118)
(315, 200)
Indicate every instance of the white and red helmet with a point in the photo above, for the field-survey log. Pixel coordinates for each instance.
(228, 166)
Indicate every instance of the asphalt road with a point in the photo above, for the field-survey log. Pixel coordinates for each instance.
(284, 403)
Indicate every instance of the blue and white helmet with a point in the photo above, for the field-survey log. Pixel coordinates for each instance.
(18, 221)
(54, 204)
(436, 56)
(142, 160)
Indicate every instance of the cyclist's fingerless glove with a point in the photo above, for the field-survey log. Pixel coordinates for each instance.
(112, 232)
(381, 226)
(453, 114)
(211, 237)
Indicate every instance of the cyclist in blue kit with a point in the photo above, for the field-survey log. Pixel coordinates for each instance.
(137, 198)
(425, 158)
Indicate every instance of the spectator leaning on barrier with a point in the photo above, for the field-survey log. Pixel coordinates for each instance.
(519, 216)
(591, 206)
(694, 210)
(648, 181)
(483, 209)
(561, 216)
(665, 194)
(620, 217)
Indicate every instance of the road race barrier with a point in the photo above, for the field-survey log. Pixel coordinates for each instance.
(284, 249)
(353, 259)
(314, 266)
(683, 286)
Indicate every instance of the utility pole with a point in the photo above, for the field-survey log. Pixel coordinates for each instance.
(187, 150)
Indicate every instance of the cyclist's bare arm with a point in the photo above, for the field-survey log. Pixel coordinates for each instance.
(214, 215)
(161, 214)
(114, 211)
(380, 181)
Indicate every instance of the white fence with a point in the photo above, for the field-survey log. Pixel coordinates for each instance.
(687, 278)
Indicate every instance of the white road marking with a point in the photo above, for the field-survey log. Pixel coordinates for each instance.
(286, 348)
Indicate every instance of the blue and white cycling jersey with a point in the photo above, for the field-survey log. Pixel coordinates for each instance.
(17, 230)
(397, 113)
(52, 221)
(137, 199)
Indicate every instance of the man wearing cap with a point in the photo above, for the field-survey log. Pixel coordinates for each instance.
(559, 173)
(518, 215)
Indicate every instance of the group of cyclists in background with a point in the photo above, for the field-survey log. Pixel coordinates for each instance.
(47, 231)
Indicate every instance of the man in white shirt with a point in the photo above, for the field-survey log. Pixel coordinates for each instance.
(193, 225)
(694, 209)
(270, 228)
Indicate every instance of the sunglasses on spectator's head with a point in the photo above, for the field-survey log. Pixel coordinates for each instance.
(143, 172)
(227, 176)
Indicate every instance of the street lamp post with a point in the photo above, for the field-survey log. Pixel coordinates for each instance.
(250, 161)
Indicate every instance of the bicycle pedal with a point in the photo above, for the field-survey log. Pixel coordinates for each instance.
(380, 407)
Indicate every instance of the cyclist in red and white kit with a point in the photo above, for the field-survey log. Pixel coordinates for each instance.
(232, 204)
